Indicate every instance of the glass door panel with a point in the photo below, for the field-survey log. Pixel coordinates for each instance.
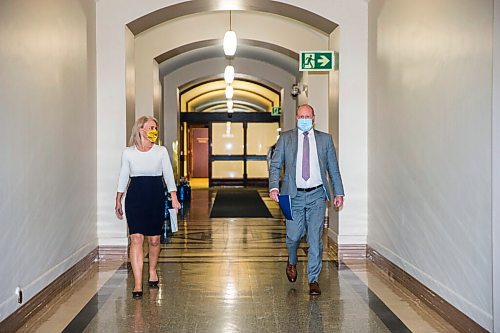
(239, 151)
(257, 169)
(227, 138)
(261, 136)
(227, 169)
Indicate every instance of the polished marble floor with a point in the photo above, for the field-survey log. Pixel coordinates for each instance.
(228, 275)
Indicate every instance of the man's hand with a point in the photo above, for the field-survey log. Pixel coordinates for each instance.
(274, 195)
(338, 201)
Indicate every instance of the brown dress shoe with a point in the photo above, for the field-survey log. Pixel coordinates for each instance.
(314, 288)
(291, 272)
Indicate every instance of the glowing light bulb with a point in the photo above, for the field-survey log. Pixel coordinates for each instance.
(229, 91)
(229, 74)
(230, 43)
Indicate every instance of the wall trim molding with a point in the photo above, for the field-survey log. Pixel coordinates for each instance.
(113, 252)
(451, 314)
(101, 253)
(347, 240)
(455, 317)
(19, 317)
(346, 251)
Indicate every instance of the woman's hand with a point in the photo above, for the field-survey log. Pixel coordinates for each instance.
(119, 211)
(175, 203)
(118, 205)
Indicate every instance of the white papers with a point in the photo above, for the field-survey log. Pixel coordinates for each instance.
(173, 219)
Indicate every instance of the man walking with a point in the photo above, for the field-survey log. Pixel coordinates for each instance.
(307, 155)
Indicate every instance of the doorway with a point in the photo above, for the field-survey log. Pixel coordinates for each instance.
(238, 154)
(198, 152)
(230, 151)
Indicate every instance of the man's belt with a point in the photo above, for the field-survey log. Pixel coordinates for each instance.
(309, 189)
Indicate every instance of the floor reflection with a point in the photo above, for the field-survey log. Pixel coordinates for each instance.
(228, 275)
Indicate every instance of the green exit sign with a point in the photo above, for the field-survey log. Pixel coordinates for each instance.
(276, 111)
(316, 60)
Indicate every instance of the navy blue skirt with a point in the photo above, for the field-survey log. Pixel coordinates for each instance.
(145, 205)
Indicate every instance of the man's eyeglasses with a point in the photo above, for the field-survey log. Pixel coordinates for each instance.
(305, 117)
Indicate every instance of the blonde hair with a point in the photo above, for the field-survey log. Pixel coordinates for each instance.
(135, 136)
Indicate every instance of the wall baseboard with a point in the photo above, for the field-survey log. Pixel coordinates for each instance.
(347, 251)
(18, 318)
(455, 317)
(113, 252)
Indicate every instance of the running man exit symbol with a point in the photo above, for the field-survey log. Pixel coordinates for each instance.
(276, 111)
(316, 60)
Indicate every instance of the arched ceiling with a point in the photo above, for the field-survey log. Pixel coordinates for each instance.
(168, 13)
(246, 49)
(268, 31)
(210, 96)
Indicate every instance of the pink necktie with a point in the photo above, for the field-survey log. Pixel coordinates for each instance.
(306, 172)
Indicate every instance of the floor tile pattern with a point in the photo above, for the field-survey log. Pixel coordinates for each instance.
(228, 275)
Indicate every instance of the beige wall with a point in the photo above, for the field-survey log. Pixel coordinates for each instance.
(496, 168)
(333, 123)
(130, 82)
(430, 70)
(48, 168)
(353, 104)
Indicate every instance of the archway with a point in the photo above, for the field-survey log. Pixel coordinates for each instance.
(235, 139)
(121, 74)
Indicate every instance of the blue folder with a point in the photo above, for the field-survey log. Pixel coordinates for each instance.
(285, 203)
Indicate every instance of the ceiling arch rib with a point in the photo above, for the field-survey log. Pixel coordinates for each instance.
(221, 106)
(246, 99)
(251, 96)
(217, 50)
(219, 78)
(168, 13)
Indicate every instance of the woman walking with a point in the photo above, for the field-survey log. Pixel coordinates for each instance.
(145, 164)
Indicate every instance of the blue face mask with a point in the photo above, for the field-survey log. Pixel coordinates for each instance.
(305, 124)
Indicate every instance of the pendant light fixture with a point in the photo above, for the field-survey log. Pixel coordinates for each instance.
(229, 91)
(229, 74)
(229, 44)
(230, 41)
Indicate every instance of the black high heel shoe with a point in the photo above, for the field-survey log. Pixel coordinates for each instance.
(153, 284)
(137, 294)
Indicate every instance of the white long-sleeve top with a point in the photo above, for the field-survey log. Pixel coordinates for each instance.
(154, 162)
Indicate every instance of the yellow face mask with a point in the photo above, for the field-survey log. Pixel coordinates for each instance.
(152, 135)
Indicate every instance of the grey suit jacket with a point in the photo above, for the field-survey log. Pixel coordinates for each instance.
(285, 154)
